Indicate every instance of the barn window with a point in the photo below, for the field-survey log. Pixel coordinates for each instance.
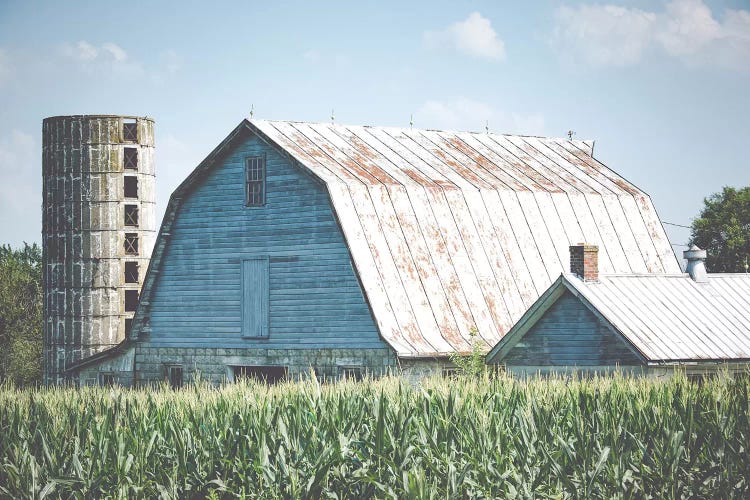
(131, 272)
(131, 186)
(131, 243)
(131, 300)
(351, 373)
(130, 158)
(266, 374)
(106, 379)
(130, 130)
(255, 181)
(174, 376)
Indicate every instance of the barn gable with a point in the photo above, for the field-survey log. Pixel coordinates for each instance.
(291, 249)
(569, 334)
(453, 231)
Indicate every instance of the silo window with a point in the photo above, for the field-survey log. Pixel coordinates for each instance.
(131, 300)
(131, 186)
(131, 272)
(255, 181)
(130, 130)
(131, 215)
(130, 158)
(131, 243)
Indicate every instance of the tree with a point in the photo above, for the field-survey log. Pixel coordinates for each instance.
(723, 229)
(21, 314)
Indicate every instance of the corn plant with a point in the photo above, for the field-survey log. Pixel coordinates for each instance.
(496, 437)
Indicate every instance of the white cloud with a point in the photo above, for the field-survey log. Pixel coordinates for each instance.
(115, 51)
(108, 56)
(604, 34)
(463, 113)
(473, 36)
(82, 51)
(609, 35)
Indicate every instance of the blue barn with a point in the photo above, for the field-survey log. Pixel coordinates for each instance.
(296, 248)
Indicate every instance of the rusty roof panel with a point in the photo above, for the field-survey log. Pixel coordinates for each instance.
(455, 231)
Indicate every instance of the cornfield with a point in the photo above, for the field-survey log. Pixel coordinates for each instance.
(446, 438)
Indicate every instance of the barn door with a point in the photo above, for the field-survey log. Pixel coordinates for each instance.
(255, 297)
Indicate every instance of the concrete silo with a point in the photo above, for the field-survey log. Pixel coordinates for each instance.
(98, 230)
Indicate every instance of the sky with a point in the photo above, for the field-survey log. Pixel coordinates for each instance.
(662, 87)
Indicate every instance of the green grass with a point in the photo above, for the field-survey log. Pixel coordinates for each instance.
(472, 437)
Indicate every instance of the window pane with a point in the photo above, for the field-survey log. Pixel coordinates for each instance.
(131, 186)
(255, 179)
(130, 131)
(130, 158)
(131, 300)
(131, 272)
(131, 215)
(131, 243)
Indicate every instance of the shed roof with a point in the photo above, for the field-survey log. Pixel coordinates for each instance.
(667, 318)
(454, 231)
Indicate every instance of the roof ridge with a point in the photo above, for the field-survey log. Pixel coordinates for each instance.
(547, 137)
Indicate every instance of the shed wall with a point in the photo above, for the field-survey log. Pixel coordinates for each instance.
(570, 335)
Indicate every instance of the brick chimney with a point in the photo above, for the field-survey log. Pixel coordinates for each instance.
(584, 261)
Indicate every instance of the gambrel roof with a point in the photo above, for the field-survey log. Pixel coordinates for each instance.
(665, 318)
(454, 231)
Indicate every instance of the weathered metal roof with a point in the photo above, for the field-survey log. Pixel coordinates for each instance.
(454, 231)
(666, 318)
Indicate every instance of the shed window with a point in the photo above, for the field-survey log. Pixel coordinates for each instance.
(130, 130)
(130, 158)
(174, 376)
(131, 300)
(131, 186)
(131, 215)
(131, 272)
(131, 243)
(255, 181)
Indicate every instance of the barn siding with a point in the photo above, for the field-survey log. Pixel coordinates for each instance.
(315, 300)
(570, 335)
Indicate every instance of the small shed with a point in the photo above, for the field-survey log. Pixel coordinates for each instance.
(640, 323)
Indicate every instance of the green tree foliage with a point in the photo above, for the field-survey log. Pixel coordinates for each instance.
(723, 229)
(21, 314)
(471, 364)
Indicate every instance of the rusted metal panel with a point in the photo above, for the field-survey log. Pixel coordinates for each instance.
(450, 231)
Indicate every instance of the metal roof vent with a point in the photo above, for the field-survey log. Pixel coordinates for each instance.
(696, 266)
